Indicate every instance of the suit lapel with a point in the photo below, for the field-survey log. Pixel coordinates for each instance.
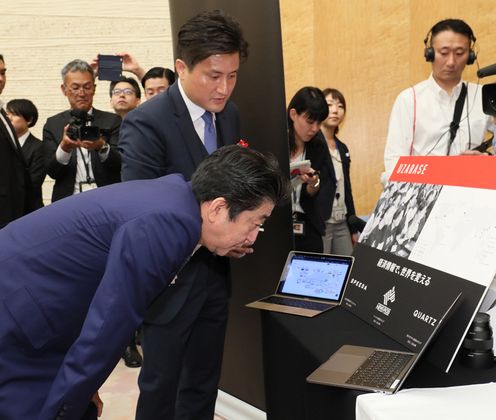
(28, 144)
(226, 130)
(13, 141)
(193, 143)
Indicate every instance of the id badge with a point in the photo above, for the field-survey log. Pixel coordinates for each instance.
(339, 215)
(299, 228)
(87, 185)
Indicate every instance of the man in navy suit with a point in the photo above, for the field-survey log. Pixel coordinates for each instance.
(184, 330)
(76, 277)
(78, 164)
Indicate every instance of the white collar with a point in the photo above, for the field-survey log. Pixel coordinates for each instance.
(440, 91)
(23, 138)
(194, 110)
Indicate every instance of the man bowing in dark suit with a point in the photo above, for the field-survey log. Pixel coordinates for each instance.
(184, 330)
(72, 294)
(78, 164)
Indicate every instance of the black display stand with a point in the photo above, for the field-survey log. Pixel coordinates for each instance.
(260, 97)
(295, 346)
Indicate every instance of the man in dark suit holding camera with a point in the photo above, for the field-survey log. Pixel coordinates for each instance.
(79, 164)
(184, 330)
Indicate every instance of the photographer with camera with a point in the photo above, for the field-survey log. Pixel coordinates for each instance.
(80, 144)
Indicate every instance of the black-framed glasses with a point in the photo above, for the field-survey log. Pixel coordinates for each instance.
(126, 91)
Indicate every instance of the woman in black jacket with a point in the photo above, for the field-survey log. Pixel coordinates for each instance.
(313, 182)
(340, 234)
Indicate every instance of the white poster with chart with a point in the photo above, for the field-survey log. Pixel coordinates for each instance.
(440, 212)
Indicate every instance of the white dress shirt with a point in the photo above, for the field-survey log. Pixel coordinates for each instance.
(195, 113)
(429, 108)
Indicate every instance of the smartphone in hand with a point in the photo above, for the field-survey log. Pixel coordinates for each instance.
(109, 67)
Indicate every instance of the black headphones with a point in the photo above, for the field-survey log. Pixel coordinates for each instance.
(429, 51)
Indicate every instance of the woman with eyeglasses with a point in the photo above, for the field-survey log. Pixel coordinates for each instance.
(312, 178)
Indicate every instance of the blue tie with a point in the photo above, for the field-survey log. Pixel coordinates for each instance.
(210, 136)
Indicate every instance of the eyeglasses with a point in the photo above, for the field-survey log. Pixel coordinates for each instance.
(85, 88)
(127, 92)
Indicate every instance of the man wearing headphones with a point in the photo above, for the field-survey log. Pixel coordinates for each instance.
(441, 115)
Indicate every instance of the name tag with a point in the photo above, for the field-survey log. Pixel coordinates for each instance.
(339, 215)
(86, 186)
(299, 228)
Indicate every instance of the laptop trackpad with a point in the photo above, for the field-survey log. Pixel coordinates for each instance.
(343, 363)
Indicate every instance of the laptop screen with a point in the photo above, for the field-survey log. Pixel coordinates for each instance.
(316, 276)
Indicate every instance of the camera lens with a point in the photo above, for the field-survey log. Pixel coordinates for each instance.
(477, 347)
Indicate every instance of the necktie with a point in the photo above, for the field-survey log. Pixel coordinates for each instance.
(210, 136)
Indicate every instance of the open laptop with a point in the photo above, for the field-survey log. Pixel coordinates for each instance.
(381, 370)
(310, 284)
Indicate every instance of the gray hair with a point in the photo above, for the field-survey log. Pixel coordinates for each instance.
(77, 65)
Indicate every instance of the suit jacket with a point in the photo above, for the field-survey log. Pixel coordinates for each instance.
(32, 150)
(318, 208)
(159, 138)
(105, 173)
(344, 153)
(75, 280)
(13, 177)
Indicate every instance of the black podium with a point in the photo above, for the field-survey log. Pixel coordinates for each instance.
(295, 346)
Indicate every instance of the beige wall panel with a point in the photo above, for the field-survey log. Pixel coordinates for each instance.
(362, 50)
(371, 50)
(298, 39)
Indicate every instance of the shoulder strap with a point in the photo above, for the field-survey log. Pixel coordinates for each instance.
(455, 124)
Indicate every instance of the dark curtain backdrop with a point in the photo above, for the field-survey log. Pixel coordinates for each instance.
(259, 94)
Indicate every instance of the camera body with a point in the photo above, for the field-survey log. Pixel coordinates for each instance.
(489, 99)
(79, 128)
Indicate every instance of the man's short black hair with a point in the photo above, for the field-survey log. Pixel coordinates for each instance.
(159, 73)
(244, 177)
(1, 58)
(210, 33)
(129, 80)
(25, 109)
(456, 25)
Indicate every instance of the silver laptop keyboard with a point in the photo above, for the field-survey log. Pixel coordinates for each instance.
(297, 303)
(380, 370)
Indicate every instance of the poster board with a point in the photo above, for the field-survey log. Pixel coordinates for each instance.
(437, 216)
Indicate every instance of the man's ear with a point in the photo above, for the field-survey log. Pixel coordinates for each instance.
(180, 67)
(62, 88)
(216, 209)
